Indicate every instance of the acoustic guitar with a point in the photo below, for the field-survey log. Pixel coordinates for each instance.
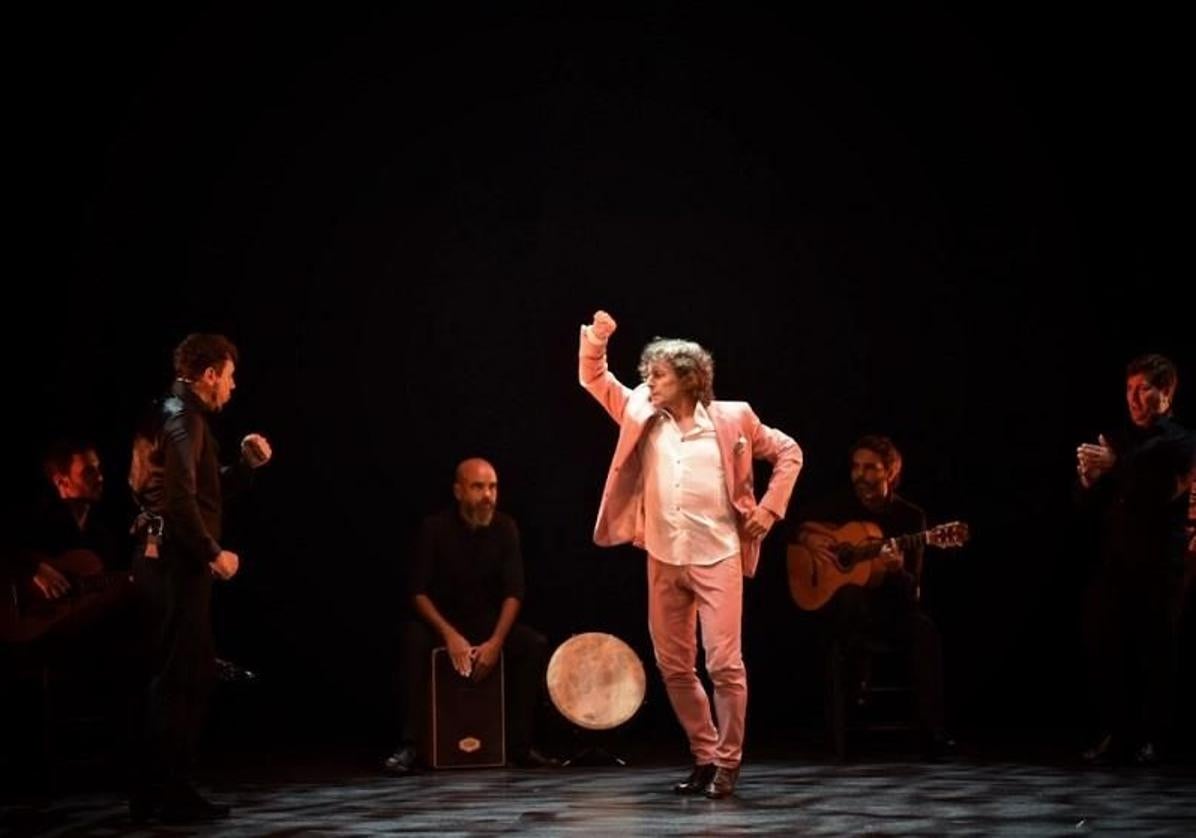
(851, 555)
(93, 590)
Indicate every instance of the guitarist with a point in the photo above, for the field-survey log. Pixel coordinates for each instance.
(60, 544)
(888, 606)
(67, 612)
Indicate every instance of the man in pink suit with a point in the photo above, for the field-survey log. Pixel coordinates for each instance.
(680, 486)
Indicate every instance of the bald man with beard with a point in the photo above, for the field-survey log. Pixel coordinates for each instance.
(467, 588)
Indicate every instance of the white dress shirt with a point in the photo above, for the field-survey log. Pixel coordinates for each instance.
(688, 517)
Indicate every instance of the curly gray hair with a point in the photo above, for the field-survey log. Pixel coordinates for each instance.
(693, 364)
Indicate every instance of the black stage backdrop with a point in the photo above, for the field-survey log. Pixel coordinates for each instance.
(953, 228)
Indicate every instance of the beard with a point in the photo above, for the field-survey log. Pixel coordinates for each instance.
(867, 492)
(479, 514)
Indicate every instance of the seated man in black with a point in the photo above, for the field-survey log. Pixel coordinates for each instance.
(888, 606)
(64, 562)
(467, 588)
(68, 610)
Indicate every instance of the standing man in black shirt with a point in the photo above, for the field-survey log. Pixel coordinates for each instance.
(1137, 479)
(180, 486)
(467, 589)
(888, 606)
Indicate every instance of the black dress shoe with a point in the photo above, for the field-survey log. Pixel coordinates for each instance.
(1108, 751)
(1146, 755)
(697, 781)
(228, 672)
(185, 805)
(144, 805)
(1099, 750)
(723, 783)
(531, 758)
(202, 812)
(402, 761)
(938, 747)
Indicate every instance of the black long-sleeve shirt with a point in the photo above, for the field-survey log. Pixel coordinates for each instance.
(1143, 511)
(176, 474)
(468, 572)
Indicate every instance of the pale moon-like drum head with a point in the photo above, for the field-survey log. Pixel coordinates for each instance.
(596, 680)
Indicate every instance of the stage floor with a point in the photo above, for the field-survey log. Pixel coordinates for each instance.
(775, 797)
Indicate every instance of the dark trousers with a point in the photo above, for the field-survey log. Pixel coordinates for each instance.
(1132, 633)
(890, 613)
(182, 667)
(88, 665)
(525, 657)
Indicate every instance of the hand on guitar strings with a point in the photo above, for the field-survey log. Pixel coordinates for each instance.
(50, 582)
(891, 557)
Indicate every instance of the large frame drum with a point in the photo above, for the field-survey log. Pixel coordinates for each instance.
(596, 680)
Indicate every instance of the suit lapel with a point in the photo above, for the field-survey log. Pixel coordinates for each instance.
(639, 413)
(727, 432)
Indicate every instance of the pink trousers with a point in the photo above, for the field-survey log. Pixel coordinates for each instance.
(680, 598)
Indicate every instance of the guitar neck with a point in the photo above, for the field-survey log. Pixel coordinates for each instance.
(917, 539)
(850, 554)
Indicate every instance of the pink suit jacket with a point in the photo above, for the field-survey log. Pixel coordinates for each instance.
(742, 437)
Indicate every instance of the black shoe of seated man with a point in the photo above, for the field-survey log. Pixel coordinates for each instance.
(1098, 751)
(402, 761)
(228, 672)
(937, 747)
(531, 758)
(722, 785)
(697, 781)
(185, 805)
(145, 804)
(1146, 755)
(1109, 750)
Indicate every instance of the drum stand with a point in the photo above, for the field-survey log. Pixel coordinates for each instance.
(593, 754)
